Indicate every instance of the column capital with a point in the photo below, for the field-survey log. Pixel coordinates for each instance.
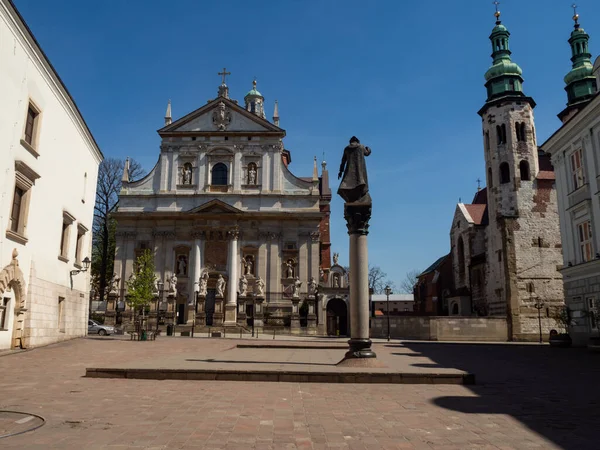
(163, 233)
(269, 235)
(126, 234)
(315, 236)
(357, 217)
(233, 234)
(198, 234)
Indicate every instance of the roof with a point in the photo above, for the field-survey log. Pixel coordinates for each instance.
(438, 262)
(45, 58)
(393, 298)
(546, 175)
(480, 197)
(477, 213)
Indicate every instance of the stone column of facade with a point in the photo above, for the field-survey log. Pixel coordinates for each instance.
(357, 217)
(130, 238)
(274, 277)
(303, 262)
(233, 263)
(194, 277)
(315, 249)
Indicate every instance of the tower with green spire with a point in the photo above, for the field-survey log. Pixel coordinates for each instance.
(581, 84)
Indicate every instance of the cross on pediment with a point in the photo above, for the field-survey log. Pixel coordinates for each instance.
(224, 74)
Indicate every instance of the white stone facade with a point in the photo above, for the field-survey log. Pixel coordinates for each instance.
(575, 150)
(48, 176)
(221, 201)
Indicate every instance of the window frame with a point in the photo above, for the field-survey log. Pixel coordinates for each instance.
(65, 236)
(61, 314)
(25, 178)
(586, 245)
(4, 313)
(81, 232)
(31, 142)
(577, 172)
(504, 175)
(524, 170)
(212, 174)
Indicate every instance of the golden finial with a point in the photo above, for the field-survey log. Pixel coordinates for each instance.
(575, 15)
(497, 13)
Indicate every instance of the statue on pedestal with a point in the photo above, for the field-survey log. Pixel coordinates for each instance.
(173, 285)
(114, 284)
(203, 288)
(296, 288)
(259, 287)
(220, 286)
(355, 184)
(243, 286)
(312, 286)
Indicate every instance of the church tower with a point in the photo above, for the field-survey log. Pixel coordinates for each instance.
(255, 102)
(523, 240)
(581, 84)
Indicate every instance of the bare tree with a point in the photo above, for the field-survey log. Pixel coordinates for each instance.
(108, 187)
(407, 285)
(378, 280)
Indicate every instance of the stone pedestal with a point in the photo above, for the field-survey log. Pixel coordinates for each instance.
(230, 315)
(357, 217)
(201, 312)
(311, 319)
(241, 314)
(259, 313)
(111, 309)
(295, 319)
(218, 315)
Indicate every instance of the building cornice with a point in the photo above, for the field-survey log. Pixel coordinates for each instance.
(245, 216)
(37, 55)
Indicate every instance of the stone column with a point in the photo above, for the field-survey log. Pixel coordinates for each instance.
(357, 218)
(195, 276)
(233, 264)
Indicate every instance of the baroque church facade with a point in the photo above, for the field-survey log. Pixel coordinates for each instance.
(505, 246)
(234, 233)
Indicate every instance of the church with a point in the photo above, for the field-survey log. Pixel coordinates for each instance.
(236, 236)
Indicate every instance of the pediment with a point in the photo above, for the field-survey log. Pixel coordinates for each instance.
(220, 115)
(215, 207)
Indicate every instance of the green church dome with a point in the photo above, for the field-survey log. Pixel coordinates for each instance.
(503, 67)
(253, 92)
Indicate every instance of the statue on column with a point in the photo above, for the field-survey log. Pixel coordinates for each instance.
(173, 285)
(289, 268)
(312, 286)
(354, 186)
(296, 287)
(113, 284)
(243, 286)
(220, 286)
(203, 288)
(259, 287)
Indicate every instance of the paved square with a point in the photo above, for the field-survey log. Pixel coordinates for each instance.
(527, 397)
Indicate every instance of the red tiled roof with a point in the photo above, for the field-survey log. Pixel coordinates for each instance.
(476, 212)
(546, 175)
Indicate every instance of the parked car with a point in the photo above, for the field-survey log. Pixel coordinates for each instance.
(97, 328)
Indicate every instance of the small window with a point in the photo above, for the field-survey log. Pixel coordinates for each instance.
(487, 141)
(504, 173)
(252, 107)
(4, 312)
(460, 248)
(24, 180)
(61, 314)
(16, 211)
(81, 230)
(511, 85)
(524, 169)
(577, 169)
(489, 180)
(584, 232)
(219, 174)
(68, 219)
(31, 125)
(501, 134)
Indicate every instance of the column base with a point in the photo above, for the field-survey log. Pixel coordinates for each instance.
(359, 348)
(231, 315)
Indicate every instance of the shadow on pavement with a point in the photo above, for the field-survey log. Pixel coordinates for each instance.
(553, 391)
(260, 362)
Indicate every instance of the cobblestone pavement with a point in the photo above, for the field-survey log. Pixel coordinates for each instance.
(527, 397)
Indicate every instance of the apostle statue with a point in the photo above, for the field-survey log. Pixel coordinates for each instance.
(289, 268)
(203, 288)
(181, 265)
(248, 265)
(187, 174)
(296, 287)
(355, 185)
(220, 286)
(243, 286)
(173, 285)
(114, 284)
(252, 175)
(336, 257)
(312, 286)
(259, 287)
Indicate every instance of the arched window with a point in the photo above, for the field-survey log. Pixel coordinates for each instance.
(501, 134)
(219, 174)
(252, 107)
(511, 85)
(455, 309)
(489, 180)
(487, 141)
(503, 129)
(460, 248)
(504, 173)
(524, 169)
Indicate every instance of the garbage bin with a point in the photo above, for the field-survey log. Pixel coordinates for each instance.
(170, 329)
(144, 335)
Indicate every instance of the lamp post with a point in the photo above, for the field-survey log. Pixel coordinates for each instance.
(388, 291)
(539, 306)
(196, 292)
(161, 287)
(86, 265)
(253, 312)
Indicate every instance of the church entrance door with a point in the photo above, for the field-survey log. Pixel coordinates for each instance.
(337, 317)
(209, 306)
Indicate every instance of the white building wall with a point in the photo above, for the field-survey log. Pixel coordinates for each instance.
(67, 166)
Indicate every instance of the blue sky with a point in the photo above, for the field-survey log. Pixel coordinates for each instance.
(406, 77)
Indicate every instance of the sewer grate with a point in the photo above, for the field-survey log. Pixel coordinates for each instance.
(15, 422)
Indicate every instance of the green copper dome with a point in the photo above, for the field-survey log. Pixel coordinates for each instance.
(504, 76)
(581, 82)
(253, 92)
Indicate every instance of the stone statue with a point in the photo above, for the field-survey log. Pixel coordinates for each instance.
(220, 286)
(290, 269)
(296, 287)
(248, 265)
(173, 285)
(355, 185)
(312, 286)
(321, 274)
(251, 175)
(187, 174)
(203, 288)
(259, 287)
(336, 257)
(243, 286)
(336, 281)
(181, 265)
(114, 284)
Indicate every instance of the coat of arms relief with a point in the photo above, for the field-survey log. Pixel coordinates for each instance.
(221, 117)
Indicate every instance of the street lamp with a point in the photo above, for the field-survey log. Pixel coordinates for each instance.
(388, 291)
(161, 287)
(539, 306)
(253, 311)
(86, 265)
(196, 293)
